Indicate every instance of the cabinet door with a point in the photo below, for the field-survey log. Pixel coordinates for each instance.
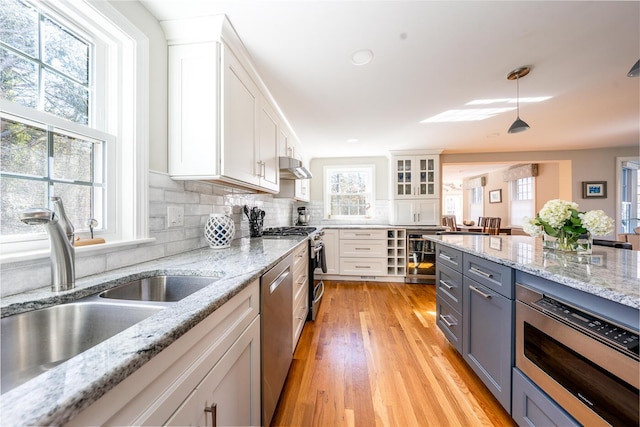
(241, 99)
(425, 176)
(428, 211)
(403, 177)
(404, 212)
(231, 390)
(332, 251)
(193, 110)
(267, 165)
(302, 190)
(487, 337)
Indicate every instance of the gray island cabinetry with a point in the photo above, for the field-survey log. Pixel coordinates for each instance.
(474, 310)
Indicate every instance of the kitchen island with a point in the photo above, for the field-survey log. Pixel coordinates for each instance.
(541, 328)
(59, 394)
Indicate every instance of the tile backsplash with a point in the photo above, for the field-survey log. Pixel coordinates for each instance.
(198, 199)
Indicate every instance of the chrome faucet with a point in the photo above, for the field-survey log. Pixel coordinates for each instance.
(61, 240)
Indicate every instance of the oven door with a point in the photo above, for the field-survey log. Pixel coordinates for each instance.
(595, 383)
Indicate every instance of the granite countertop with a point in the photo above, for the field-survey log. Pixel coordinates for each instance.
(57, 395)
(608, 272)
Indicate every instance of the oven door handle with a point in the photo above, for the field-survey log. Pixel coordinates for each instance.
(318, 297)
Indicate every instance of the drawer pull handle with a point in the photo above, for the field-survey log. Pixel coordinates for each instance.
(445, 284)
(480, 272)
(478, 291)
(363, 266)
(448, 322)
(362, 249)
(213, 410)
(444, 256)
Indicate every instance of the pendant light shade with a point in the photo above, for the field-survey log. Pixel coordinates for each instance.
(519, 125)
(635, 70)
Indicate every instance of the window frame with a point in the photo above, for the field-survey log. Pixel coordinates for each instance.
(122, 80)
(515, 198)
(369, 169)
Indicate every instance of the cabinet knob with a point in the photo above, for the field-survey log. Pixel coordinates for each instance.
(213, 410)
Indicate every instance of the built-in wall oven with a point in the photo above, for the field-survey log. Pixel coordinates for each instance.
(588, 365)
(421, 257)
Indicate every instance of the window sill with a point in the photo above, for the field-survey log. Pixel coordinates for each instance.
(40, 254)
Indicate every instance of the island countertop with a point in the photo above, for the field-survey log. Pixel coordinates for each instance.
(608, 272)
(57, 395)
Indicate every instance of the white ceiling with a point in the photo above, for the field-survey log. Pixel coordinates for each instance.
(435, 56)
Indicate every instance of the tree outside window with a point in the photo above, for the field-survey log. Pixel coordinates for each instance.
(348, 191)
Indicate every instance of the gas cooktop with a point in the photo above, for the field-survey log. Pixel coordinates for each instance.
(288, 231)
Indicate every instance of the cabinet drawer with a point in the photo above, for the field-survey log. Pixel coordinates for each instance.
(363, 234)
(300, 287)
(363, 266)
(494, 276)
(450, 257)
(450, 322)
(532, 406)
(300, 255)
(449, 285)
(299, 318)
(363, 248)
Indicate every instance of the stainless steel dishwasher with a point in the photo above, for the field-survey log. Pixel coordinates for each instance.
(276, 331)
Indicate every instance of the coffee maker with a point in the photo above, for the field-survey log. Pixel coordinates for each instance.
(304, 216)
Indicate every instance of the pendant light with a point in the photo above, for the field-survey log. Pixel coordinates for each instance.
(635, 70)
(519, 125)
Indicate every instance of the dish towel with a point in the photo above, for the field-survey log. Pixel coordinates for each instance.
(321, 260)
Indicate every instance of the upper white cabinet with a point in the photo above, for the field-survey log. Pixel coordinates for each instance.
(416, 176)
(415, 188)
(223, 123)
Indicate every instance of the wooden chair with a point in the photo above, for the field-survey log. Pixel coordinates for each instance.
(492, 225)
(482, 221)
(450, 221)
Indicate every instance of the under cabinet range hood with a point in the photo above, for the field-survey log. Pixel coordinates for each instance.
(291, 168)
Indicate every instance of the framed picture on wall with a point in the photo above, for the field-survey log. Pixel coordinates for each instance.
(594, 189)
(495, 196)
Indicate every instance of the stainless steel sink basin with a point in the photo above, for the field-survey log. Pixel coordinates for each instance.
(36, 341)
(159, 288)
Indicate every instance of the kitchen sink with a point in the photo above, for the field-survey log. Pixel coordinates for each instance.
(36, 341)
(159, 288)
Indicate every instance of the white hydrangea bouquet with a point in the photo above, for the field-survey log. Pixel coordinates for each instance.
(563, 227)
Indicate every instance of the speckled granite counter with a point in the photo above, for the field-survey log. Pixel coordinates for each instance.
(608, 273)
(59, 394)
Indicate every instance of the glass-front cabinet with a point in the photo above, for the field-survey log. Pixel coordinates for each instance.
(416, 176)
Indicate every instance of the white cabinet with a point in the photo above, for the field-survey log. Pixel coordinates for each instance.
(216, 397)
(417, 212)
(363, 252)
(331, 241)
(300, 289)
(415, 188)
(416, 176)
(217, 362)
(222, 123)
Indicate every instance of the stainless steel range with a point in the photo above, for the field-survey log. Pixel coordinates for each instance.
(316, 260)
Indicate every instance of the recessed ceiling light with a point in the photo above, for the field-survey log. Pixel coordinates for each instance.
(361, 57)
(466, 115)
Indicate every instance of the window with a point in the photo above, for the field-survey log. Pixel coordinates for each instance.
(73, 119)
(522, 200)
(348, 191)
(629, 173)
(476, 208)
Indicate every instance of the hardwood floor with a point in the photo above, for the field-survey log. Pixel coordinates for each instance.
(375, 357)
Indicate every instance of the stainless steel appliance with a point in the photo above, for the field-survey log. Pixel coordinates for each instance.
(276, 289)
(304, 216)
(421, 257)
(587, 364)
(316, 260)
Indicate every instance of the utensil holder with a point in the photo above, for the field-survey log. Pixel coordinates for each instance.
(255, 227)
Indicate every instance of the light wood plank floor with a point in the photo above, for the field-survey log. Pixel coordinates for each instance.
(374, 357)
